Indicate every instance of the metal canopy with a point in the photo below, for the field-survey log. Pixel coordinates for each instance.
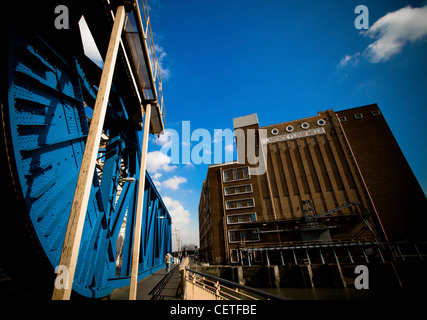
(137, 74)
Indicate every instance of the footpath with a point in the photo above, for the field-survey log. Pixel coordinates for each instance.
(157, 286)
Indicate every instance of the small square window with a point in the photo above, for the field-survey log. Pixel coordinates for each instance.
(375, 113)
(358, 116)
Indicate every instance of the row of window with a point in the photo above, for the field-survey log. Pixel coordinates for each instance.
(235, 256)
(236, 174)
(243, 235)
(244, 188)
(241, 218)
(240, 204)
(304, 125)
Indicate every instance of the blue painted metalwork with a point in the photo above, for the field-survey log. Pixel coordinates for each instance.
(47, 124)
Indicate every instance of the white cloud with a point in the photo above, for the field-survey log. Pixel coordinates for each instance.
(229, 148)
(349, 60)
(394, 30)
(161, 54)
(158, 184)
(180, 216)
(188, 230)
(173, 183)
(157, 175)
(189, 165)
(157, 161)
(165, 139)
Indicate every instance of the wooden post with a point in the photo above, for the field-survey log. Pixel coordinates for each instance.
(139, 207)
(76, 220)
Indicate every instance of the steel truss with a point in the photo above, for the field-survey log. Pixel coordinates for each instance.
(45, 113)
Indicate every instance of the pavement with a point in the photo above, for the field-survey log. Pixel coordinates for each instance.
(157, 286)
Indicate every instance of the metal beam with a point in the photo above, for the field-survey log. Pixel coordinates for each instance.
(139, 207)
(74, 231)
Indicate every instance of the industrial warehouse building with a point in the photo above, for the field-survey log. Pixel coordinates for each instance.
(337, 186)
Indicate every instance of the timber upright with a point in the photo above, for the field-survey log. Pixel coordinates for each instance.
(71, 156)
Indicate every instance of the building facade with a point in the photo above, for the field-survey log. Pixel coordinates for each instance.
(332, 179)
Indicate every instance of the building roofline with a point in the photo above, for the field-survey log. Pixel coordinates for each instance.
(361, 107)
(301, 119)
(222, 164)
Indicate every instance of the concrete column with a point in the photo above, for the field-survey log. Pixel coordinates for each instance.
(276, 277)
(344, 284)
(240, 275)
(310, 275)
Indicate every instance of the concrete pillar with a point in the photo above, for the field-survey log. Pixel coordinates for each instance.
(240, 275)
(344, 284)
(310, 276)
(276, 277)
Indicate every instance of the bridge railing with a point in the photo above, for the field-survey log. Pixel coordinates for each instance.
(197, 285)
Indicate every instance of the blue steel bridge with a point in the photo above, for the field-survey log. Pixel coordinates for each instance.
(48, 93)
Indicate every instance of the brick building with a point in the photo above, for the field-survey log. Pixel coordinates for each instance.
(332, 179)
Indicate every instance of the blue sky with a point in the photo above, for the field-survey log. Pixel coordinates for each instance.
(283, 60)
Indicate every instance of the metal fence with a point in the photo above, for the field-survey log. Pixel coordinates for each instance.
(196, 285)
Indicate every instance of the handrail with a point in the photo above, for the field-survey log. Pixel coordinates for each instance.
(288, 244)
(233, 287)
(329, 242)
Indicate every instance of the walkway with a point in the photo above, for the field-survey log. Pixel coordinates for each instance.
(157, 286)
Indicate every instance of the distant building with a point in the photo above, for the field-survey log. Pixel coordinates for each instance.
(332, 181)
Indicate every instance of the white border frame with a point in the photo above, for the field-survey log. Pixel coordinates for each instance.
(240, 185)
(223, 171)
(253, 199)
(240, 230)
(241, 214)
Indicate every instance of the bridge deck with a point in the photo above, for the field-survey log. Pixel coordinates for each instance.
(158, 286)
